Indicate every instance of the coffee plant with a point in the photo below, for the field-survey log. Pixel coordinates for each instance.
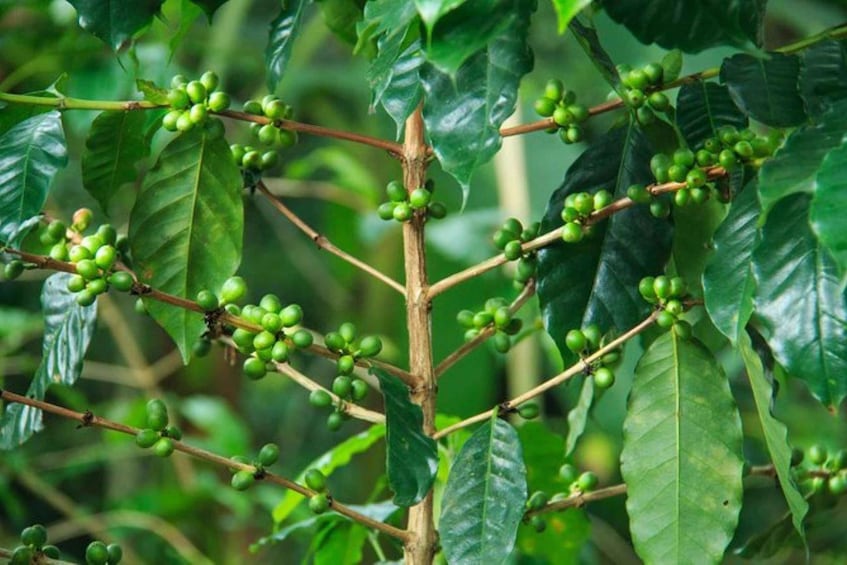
(681, 298)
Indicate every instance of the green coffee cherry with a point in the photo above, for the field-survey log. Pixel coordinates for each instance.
(604, 378)
(370, 346)
(592, 334)
(529, 411)
(164, 447)
(420, 198)
(587, 481)
(22, 555)
(334, 421)
(233, 290)
(207, 300)
(576, 341)
(302, 339)
(269, 454)
(572, 232)
(157, 414)
(683, 329)
(315, 480)
(319, 503)
(360, 389)
(320, 398)
(51, 551)
(146, 438)
(242, 480)
(121, 281)
(116, 553)
(568, 473)
(35, 536)
(817, 454)
(342, 386)
(254, 368)
(537, 500)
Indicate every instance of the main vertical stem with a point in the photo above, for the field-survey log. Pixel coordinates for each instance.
(420, 549)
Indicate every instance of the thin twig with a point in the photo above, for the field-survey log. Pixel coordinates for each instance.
(573, 370)
(556, 234)
(527, 292)
(322, 242)
(354, 410)
(88, 419)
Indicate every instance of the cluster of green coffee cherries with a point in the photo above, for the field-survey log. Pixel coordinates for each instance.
(584, 342)
(94, 257)
(159, 434)
(496, 314)
(35, 549)
(560, 105)
(575, 482)
(637, 82)
(825, 472)
(321, 500)
(350, 348)
(243, 479)
(270, 137)
(402, 205)
(192, 101)
(668, 294)
(509, 238)
(279, 333)
(577, 210)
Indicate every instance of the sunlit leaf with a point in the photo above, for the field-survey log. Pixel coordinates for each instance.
(829, 204)
(283, 31)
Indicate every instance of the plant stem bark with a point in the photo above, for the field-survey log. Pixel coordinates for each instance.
(420, 547)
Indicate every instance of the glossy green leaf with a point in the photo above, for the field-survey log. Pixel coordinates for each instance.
(483, 502)
(209, 6)
(766, 89)
(775, 432)
(411, 455)
(386, 18)
(68, 328)
(283, 31)
(830, 202)
(701, 24)
(691, 245)
(115, 22)
(186, 227)
(115, 143)
(13, 114)
(566, 10)
(432, 10)
(800, 299)
(728, 283)
(31, 153)
(398, 89)
(578, 415)
(463, 113)
(339, 456)
(471, 28)
(681, 457)
(703, 107)
(342, 17)
(596, 280)
(586, 37)
(823, 75)
(672, 65)
(794, 166)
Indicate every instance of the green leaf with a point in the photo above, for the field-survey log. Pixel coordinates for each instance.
(543, 454)
(801, 301)
(823, 75)
(411, 455)
(793, 167)
(703, 107)
(586, 37)
(829, 204)
(578, 415)
(283, 30)
(463, 113)
(432, 10)
(470, 28)
(566, 10)
(342, 545)
(766, 89)
(342, 17)
(151, 92)
(209, 6)
(384, 18)
(68, 328)
(671, 65)
(337, 457)
(398, 89)
(691, 245)
(115, 22)
(13, 114)
(728, 283)
(115, 143)
(483, 501)
(694, 26)
(596, 280)
(681, 457)
(186, 227)
(775, 432)
(31, 153)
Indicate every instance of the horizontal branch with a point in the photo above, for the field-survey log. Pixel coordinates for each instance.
(556, 235)
(527, 292)
(88, 419)
(322, 242)
(224, 317)
(69, 103)
(572, 371)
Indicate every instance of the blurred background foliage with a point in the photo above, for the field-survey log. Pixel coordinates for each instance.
(85, 483)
